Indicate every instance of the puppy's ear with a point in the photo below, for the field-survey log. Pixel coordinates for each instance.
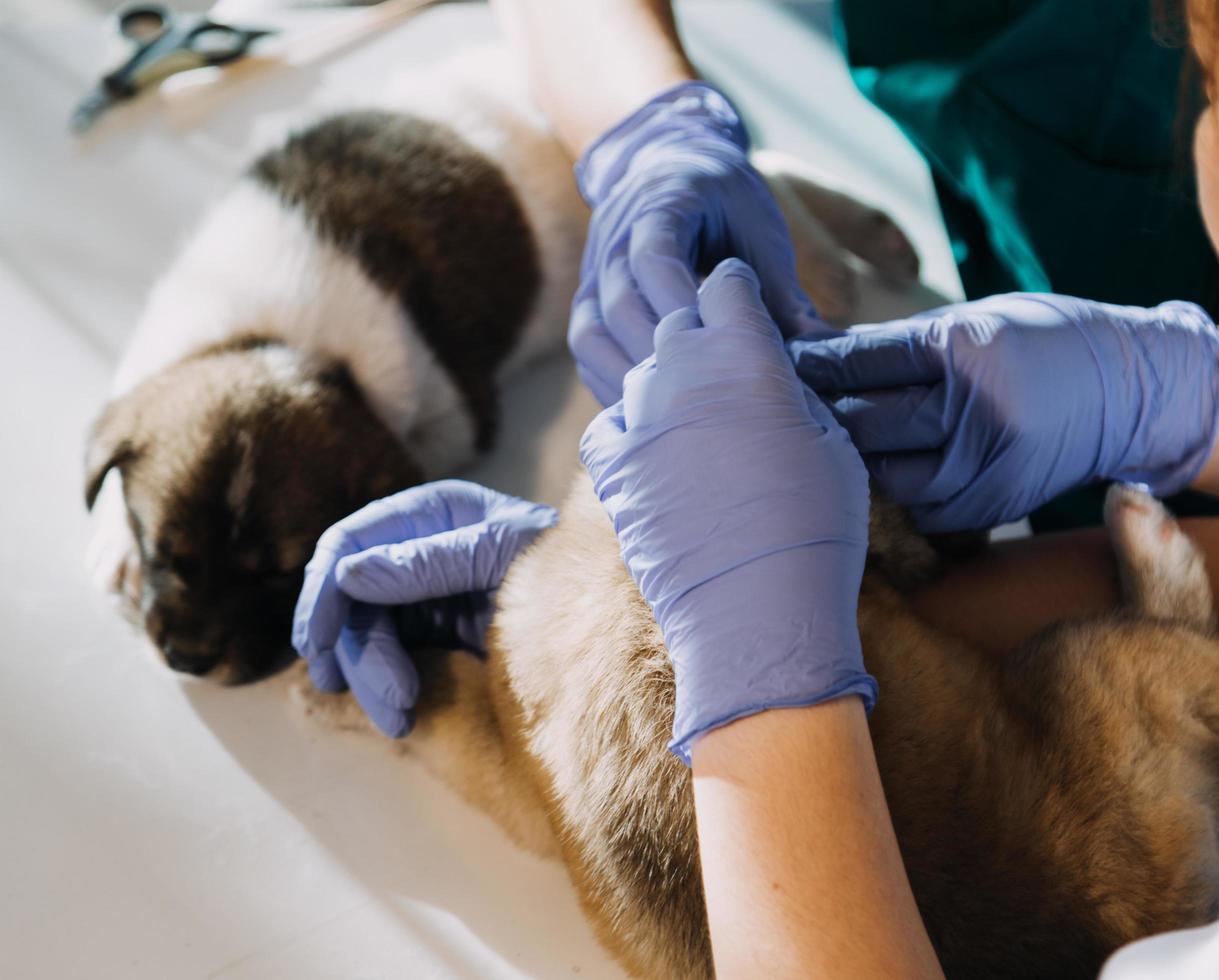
(111, 444)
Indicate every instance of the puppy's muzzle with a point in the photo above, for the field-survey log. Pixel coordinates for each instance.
(182, 641)
(189, 663)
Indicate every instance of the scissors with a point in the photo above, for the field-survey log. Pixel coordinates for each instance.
(165, 44)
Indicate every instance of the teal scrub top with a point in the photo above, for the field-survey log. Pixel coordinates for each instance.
(1058, 134)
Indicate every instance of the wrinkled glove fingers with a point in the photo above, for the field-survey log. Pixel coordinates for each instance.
(915, 479)
(602, 441)
(379, 672)
(321, 610)
(662, 260)
(445, 564)
(470, 558)
(730, 298)
(629, 317)
(670, 329)
(411, 513)
(383, 666)
(605, 392)
(897, 420)
(325, 673)
(600, 360)
(868, 359)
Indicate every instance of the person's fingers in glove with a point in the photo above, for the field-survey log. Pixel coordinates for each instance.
(672, 192)
(381, 674)
(322, 608)
(978, 413)
(741, 510)
(438, 551)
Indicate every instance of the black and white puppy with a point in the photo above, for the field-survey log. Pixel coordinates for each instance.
(337, 329)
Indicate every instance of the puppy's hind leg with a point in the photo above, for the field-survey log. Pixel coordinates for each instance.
(1163, 573)
(821, 263)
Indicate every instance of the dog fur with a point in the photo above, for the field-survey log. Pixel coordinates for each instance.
(1050, 806)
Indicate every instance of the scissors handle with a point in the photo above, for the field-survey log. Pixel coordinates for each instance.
(144, 22)
(166, 44)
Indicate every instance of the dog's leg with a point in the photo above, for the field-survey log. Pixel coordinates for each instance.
(821, 263)
(849, 225)
(1163, 574)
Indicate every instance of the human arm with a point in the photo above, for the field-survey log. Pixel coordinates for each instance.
(741, 511)
(801, 868)
(592, 62)
(664, 166)
(975, 414)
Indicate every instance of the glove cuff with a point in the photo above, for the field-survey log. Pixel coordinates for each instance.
(1173, 442)
(862, 685)
(684, 106)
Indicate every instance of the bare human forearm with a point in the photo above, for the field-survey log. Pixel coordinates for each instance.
(800, 863)
(593, 62)
(1017, 588)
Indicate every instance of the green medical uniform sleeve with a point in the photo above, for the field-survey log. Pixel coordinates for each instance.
(1052, 133)
(1058, 136)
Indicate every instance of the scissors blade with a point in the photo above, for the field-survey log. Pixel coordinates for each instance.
(90, 107)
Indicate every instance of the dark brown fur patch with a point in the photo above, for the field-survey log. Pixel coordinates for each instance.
(433, 222)
(233, 465)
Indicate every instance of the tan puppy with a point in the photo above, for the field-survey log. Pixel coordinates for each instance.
(1050, 806)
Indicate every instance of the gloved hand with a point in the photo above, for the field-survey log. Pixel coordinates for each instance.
(441, 550)
(976, 414)
(672, 192)
(742, 512)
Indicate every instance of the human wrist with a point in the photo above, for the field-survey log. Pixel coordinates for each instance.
(748, 641)
(1170, 355)
(687, 109)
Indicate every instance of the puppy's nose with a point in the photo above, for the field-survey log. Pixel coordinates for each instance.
(189, 663)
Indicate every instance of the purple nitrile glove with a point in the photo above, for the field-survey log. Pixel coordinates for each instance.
(440, 550)
(976, 414)
(742, 512)
(672, 192)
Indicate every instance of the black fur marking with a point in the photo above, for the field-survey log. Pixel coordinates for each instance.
(432, 221)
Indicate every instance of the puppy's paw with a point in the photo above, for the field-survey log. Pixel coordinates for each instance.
(335, 711)
(831, 283)
(1163, 573)
(874, 237)
(850, 225)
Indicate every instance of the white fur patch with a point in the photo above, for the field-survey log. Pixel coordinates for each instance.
(255, 266)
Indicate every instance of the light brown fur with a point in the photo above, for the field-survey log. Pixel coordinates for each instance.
(1050, 806)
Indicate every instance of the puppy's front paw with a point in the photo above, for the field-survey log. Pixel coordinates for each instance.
(1163, 573)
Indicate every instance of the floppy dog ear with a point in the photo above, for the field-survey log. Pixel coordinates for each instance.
(110, 444)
